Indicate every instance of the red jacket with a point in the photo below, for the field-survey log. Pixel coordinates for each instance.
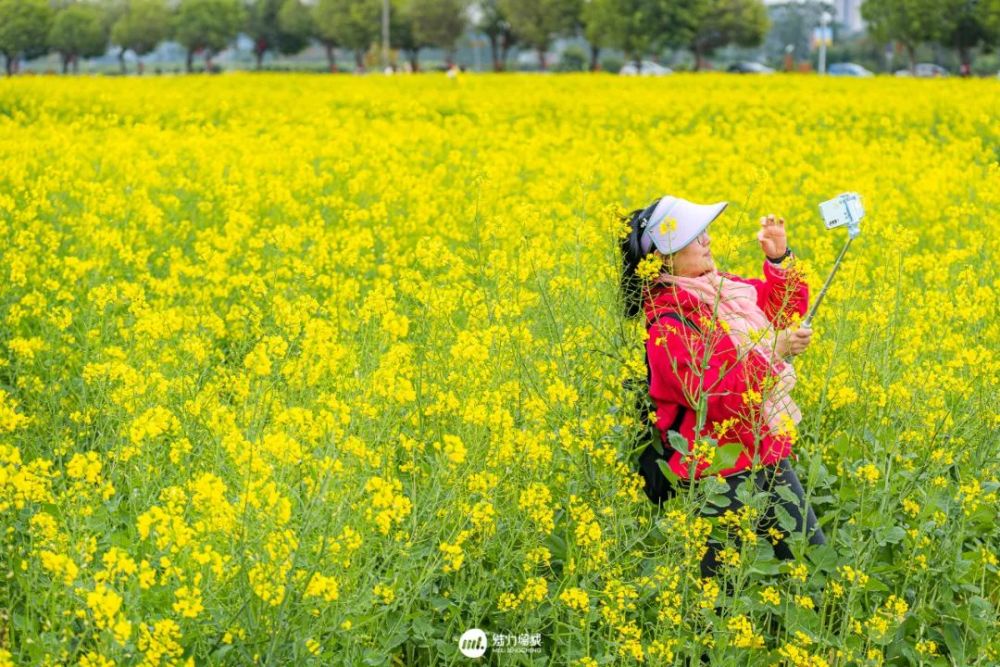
(672, 342)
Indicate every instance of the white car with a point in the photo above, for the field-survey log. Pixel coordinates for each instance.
(848, 69)
(924, 70)
(649, 68)
(749, 67)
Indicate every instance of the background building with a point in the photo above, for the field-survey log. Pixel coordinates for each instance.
(846, 13)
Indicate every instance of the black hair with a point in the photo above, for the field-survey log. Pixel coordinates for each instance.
(631, 286)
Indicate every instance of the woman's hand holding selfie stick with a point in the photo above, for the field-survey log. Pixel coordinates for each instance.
(774, 242)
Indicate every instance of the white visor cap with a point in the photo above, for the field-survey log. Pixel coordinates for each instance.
(692, 219)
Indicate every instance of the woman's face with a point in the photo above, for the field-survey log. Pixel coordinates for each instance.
(692, 260)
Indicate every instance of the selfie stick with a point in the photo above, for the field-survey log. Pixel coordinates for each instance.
(842, 210)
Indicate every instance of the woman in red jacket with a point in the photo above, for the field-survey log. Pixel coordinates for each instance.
(717, 350)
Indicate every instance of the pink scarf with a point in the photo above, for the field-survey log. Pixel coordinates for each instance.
(737, 307)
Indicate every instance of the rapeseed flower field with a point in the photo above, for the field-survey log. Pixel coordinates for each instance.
(328, 370)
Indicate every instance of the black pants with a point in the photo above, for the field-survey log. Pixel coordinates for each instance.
(768, 479)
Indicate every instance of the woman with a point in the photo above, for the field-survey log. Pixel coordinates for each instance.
(717, 350)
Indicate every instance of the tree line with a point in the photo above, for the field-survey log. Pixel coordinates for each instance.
(77, 29)
(959, 24)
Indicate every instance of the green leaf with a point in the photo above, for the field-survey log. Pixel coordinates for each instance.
(667, 472)
(49, 508)
(725, 457)
(397, 639)
(975, 614)
(728, 454)
(875, 584)
(678, 442)
(766, 567)
(893, 535)
(373, 657)
(556, 546)
(221, 652)
(841, 445)
(823, 557)
(747, 490)
(764, 560)
(802, 620)
(719, 500)
(902, 649)
(713, 484)
(656, 441)
(953, 640)
(786, 493)
(439, 603)
(785, 519)
(812, 477)
(963, 571)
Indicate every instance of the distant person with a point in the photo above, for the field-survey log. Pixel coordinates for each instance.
(696, 313)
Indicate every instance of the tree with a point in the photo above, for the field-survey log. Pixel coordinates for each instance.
(207, 25)
(324, 23)
(24, 29)
(966, 25)
(793, 23)
(717, 23)
(637, 27)
(990, 13)
(600, 21)
(262, 26)
(142, 25)
(401, 33)
(439, 23)
(909, 22)
(537, 21)
(265, 28)
(494, 24)
(295, 21)
(111, 11)
(353, 24)
(78, 31)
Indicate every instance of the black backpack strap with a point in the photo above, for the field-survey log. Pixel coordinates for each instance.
(679, 318)
(674, 316)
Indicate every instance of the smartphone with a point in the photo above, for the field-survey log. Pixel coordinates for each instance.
(844, 209)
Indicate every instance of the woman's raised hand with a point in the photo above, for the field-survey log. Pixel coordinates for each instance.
(790, 342)
(773, 240)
